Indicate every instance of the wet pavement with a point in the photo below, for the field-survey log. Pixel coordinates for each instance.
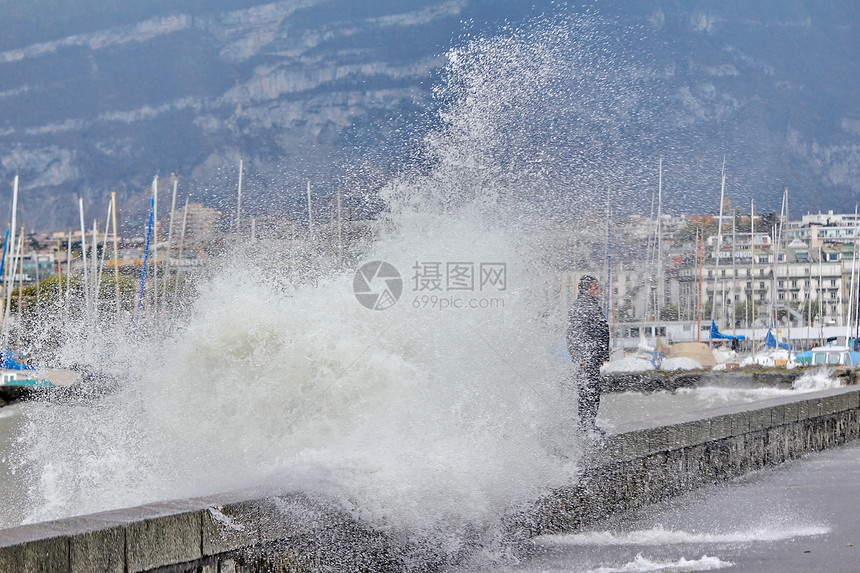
(801, 516)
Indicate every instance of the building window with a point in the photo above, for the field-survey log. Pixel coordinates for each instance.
(794, 296)
(761, 285)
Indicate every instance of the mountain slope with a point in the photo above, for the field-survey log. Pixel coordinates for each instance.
(100, 96)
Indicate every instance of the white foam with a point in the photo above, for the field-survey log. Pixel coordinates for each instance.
(715, 396)
(681, 363)
(628, 364)
(10, 411)
(816, 379)
(658, 536)
(644, 565)
(218, 515)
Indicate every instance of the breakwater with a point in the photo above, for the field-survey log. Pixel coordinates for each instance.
(657, 380)
(641, 464)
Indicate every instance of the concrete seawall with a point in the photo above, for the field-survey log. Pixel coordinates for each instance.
(647, 462)
(641, 464)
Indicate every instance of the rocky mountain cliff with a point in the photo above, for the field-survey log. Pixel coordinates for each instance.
(99, 96)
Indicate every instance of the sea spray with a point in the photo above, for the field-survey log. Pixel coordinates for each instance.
(418, 418)
(821, 378)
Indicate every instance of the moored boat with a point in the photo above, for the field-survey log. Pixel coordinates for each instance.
(829, 355)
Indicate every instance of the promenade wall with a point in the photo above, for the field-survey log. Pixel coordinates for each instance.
(641, 464)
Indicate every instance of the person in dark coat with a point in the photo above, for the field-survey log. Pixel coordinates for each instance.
(588, 344)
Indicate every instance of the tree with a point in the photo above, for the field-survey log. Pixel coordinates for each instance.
(707, 310)
(669, 311)
(746, 313)
(810, 309)
(766, 222)
(626, 311)
(742, 222)
(702, 225)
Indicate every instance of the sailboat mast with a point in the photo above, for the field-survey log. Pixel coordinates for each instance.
(8, 283)
(145, 263)
(20, 289)
(239, 196)
(3, 268)
(734, 270)
(752, 269)
(719, 246)
(776, 253)
(115, 253)
(652, 247)
(14, 233)
(660, 286)
(68, 272)
(95, 263)
(820, 295)
(851, 289)
(84, 253)
(609, 259)
(310, 213)
(854, 317)
(104, 252)
(155, 247)
(169, 240)
(700, 256)
(181, 248)
(787, 272)
(339, 229)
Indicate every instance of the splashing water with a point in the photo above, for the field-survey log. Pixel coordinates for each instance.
(415, 418)
(642, 564)
(816, 379)
(660, 536)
